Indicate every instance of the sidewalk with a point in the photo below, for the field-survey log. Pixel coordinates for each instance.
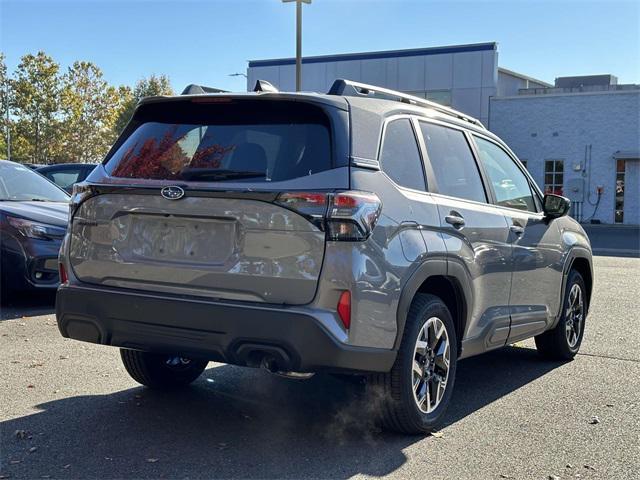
(614, 240)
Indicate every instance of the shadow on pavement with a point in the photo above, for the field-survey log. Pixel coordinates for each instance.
(240, 423)
(27, 304)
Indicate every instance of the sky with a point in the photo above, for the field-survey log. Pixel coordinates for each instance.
(203, 41)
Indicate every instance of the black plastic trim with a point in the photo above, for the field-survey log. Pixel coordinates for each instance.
(209, 330)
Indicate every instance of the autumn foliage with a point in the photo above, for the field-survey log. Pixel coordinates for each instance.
(165, 159)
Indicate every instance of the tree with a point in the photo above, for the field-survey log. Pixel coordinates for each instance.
(88, 104)
(35, 105)
(147, 87)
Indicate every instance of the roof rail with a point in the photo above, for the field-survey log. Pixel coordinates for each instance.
(356, 89)
(200, 89)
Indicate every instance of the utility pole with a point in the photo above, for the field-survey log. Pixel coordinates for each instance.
(298, 40)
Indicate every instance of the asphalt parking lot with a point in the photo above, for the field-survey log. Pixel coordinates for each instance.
(69, 410)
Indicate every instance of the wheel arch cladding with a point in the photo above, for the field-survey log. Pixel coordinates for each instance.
(449, 290)
(583, 267)
(446, 287)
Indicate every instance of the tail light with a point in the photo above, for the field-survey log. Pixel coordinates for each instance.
(344, 308)
(352, 216)
(81, 192)
(347, 216)
(63, 273)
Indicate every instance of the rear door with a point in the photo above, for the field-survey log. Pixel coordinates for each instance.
(189, 203)
(476, 233)
(537, 255)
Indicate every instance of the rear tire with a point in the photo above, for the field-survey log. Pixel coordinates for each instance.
(564, 340)
(162, 372)
(415, 394)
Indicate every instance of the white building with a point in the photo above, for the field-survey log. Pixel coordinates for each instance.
(579, 137)
(461, 76)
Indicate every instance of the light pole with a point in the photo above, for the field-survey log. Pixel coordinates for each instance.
(298, 40)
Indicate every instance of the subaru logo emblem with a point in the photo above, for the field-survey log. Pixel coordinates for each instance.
(172, 193)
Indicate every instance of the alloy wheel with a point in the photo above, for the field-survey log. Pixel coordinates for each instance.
(430, 369)
(574, 315)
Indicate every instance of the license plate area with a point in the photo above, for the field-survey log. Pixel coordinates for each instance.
(181, 239)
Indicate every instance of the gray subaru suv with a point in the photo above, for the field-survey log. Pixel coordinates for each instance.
(362, 232)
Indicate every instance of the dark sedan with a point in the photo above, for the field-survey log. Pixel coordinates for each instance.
(33, 221)
(65, 175)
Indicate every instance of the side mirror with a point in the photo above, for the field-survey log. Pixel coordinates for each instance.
(555, 205)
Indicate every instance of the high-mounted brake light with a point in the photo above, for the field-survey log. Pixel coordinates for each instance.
(344, 308)
(347, 216)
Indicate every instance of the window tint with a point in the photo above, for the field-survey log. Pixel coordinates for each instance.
(400, 157)
(509, 183)
(453, 164)
(229, 141)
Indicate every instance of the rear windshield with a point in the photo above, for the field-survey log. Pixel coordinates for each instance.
(253, 142)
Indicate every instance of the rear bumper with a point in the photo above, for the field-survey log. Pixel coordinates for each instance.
(227, 332)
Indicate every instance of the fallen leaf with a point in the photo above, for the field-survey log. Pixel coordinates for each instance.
(554, 477)
(569, 465)
(14, 462)
(33, 449)
(31, 386)
(589, 467)
(66, 466)
(63, 357)
(20, 433)
(437, 434)
(594, 420)
(152, 460)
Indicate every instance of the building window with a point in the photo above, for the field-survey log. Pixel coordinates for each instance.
(619, 212)
(553, 176)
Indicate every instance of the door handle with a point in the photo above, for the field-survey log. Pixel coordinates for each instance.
(517, 229)
(456, 220)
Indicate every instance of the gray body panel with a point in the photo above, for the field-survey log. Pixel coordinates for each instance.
(253, 252)
(222, 248)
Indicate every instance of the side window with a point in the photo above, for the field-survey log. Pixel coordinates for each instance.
(509, 183)
(453, 164)
(400, 157)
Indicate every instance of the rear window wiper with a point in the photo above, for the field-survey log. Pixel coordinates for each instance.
(219, 174)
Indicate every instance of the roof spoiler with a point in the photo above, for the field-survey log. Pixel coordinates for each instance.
(194, 89)
(350, 88)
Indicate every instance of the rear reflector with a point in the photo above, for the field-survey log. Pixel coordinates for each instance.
(344, 308)
(63, 273)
